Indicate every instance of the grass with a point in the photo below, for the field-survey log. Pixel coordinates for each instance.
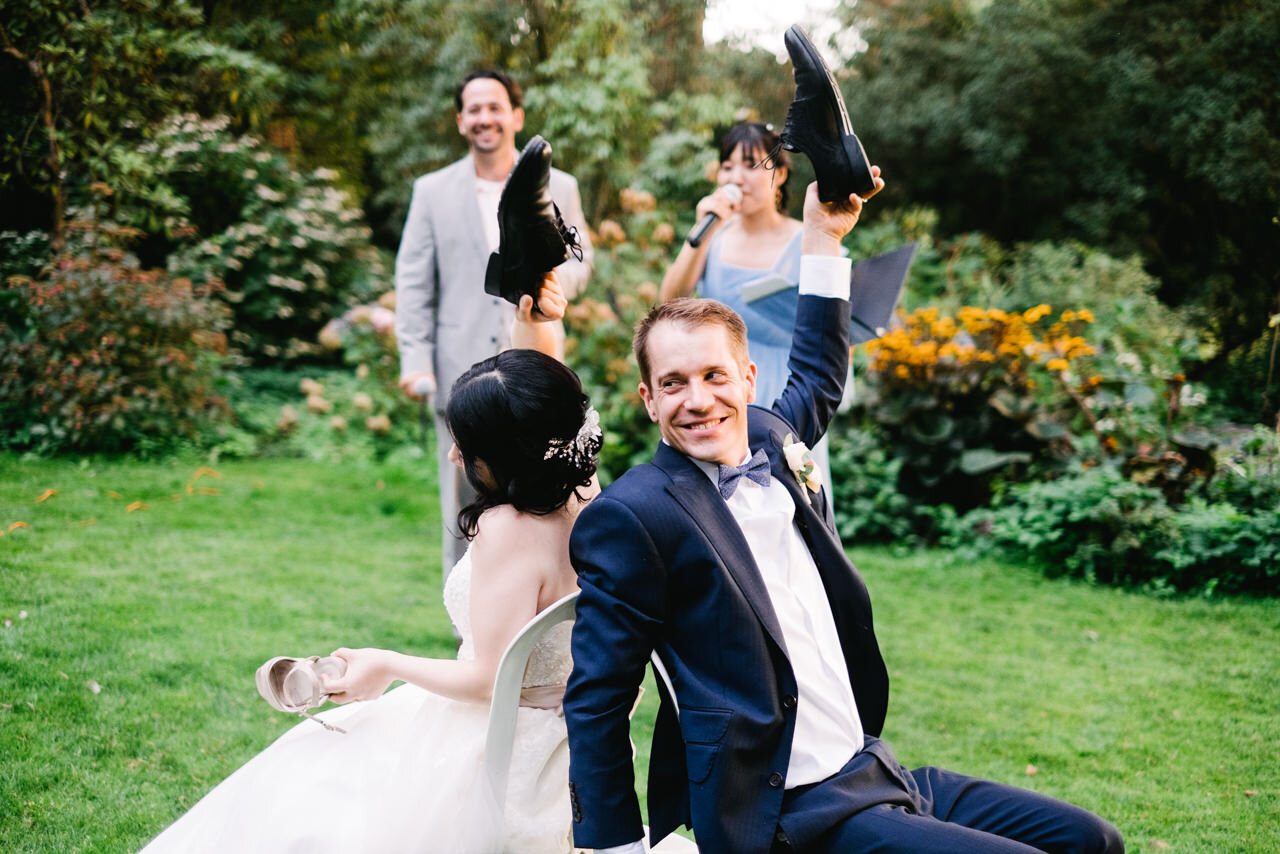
(126, 690)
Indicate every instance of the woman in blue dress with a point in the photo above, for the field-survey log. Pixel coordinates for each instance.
(751, 259)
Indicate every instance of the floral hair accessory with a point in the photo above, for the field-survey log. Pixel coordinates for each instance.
(800, 461)
(582, 447)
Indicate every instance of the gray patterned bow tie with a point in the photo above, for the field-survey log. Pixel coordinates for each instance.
(756, 468)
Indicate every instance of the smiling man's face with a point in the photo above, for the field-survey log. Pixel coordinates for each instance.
(698, 391)
(487, 120)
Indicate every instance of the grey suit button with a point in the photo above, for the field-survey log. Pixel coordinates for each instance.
(782, 837)
(788, 702)
(776, 780)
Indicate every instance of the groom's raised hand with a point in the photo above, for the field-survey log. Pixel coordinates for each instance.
(826, 224)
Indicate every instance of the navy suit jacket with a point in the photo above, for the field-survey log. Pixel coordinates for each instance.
(663, 565)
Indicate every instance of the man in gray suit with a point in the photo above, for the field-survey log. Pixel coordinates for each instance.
(445, 322)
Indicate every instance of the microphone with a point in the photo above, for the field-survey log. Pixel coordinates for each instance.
(734, 192)
(424, 386)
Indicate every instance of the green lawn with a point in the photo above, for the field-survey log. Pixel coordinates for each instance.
(126, 690)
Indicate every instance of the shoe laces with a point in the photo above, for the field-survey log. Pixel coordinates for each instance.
(569, 233)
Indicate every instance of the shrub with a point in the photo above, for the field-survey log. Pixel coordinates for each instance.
(961, 399)
(1248, 472)
(1101, 526)
(291, 247)
(327, 415)
(99, 354)
(631, 256)
(864, 489)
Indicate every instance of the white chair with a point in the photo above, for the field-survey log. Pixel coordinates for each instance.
(660, 671)
(505, 704)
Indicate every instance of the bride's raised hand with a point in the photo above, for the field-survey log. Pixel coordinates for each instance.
(368, 675)
(532, 328)
(551, 302)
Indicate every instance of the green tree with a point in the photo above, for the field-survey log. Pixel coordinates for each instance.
(91, 80)
(1085, 119)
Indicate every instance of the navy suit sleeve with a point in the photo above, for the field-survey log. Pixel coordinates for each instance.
(818, 366)
(619, 613)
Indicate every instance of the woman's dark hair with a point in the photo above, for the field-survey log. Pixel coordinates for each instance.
(759, 142)
(510, 412)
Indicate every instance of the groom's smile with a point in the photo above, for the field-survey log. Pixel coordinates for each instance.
(699, 391)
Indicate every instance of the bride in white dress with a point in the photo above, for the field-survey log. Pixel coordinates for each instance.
(407, 774)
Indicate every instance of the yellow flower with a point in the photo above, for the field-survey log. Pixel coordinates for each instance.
(943, 327)
(1085, 315)
(1032, 315)
(902, 372)
(1057, 364)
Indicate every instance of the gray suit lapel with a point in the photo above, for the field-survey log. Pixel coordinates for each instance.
(694, 491)
(470, 223)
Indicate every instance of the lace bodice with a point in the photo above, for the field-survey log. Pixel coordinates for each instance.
(550, 661)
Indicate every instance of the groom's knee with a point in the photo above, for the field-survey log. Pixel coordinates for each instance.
(1096, 835)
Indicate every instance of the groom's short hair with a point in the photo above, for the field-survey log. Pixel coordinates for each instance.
(690, 312)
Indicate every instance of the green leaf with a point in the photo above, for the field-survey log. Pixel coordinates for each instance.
(930, 428)
(1046, 430)
(977, 461)
(1138, 395)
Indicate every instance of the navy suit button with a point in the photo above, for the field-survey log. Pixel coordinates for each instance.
(782, 837)
(788, 702)
(776, 780)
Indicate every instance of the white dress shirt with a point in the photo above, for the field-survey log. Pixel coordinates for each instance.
(488, 193)
(828, 728)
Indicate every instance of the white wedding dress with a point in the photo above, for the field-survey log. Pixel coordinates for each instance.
(407, 777)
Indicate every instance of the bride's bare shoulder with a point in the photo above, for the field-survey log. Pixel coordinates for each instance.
(507, 537)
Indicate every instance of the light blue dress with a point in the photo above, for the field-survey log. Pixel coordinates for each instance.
(769, 320)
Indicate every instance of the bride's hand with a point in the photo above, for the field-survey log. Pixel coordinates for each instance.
(551, 302)
(367, 678)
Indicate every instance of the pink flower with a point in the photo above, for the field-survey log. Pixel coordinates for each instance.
(383, 320)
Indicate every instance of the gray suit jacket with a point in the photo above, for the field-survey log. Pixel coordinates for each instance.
(445, 322)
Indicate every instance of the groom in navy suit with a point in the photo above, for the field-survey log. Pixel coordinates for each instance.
(718, 556)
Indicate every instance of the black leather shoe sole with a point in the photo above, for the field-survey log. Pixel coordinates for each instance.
(818, 125)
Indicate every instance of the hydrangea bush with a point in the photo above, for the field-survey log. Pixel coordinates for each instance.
(290, 247)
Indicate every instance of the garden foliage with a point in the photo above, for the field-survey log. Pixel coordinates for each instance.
(98, 353)
(1068, 172)
(1101, 526)
(1043, 120)
(291, 248)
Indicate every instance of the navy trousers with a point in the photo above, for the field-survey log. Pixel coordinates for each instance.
(875, 806)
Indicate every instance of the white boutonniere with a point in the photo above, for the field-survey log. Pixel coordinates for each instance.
(800, 461)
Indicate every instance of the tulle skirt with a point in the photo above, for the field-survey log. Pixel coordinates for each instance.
(407, 777)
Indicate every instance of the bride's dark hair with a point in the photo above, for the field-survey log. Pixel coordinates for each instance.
(520, 413)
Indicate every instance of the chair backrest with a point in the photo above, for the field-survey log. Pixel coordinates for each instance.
(505, 704)
(660, 670)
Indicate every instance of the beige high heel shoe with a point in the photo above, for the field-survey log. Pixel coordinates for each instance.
(294, 684)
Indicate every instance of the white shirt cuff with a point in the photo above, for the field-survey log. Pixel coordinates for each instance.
(825, 276)
(636, 847)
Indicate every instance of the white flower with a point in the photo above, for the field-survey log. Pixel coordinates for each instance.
(1130, 361)
(1188, 398)
(800, 461)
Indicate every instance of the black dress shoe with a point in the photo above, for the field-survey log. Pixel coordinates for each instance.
(818, 125)
(532, 238)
